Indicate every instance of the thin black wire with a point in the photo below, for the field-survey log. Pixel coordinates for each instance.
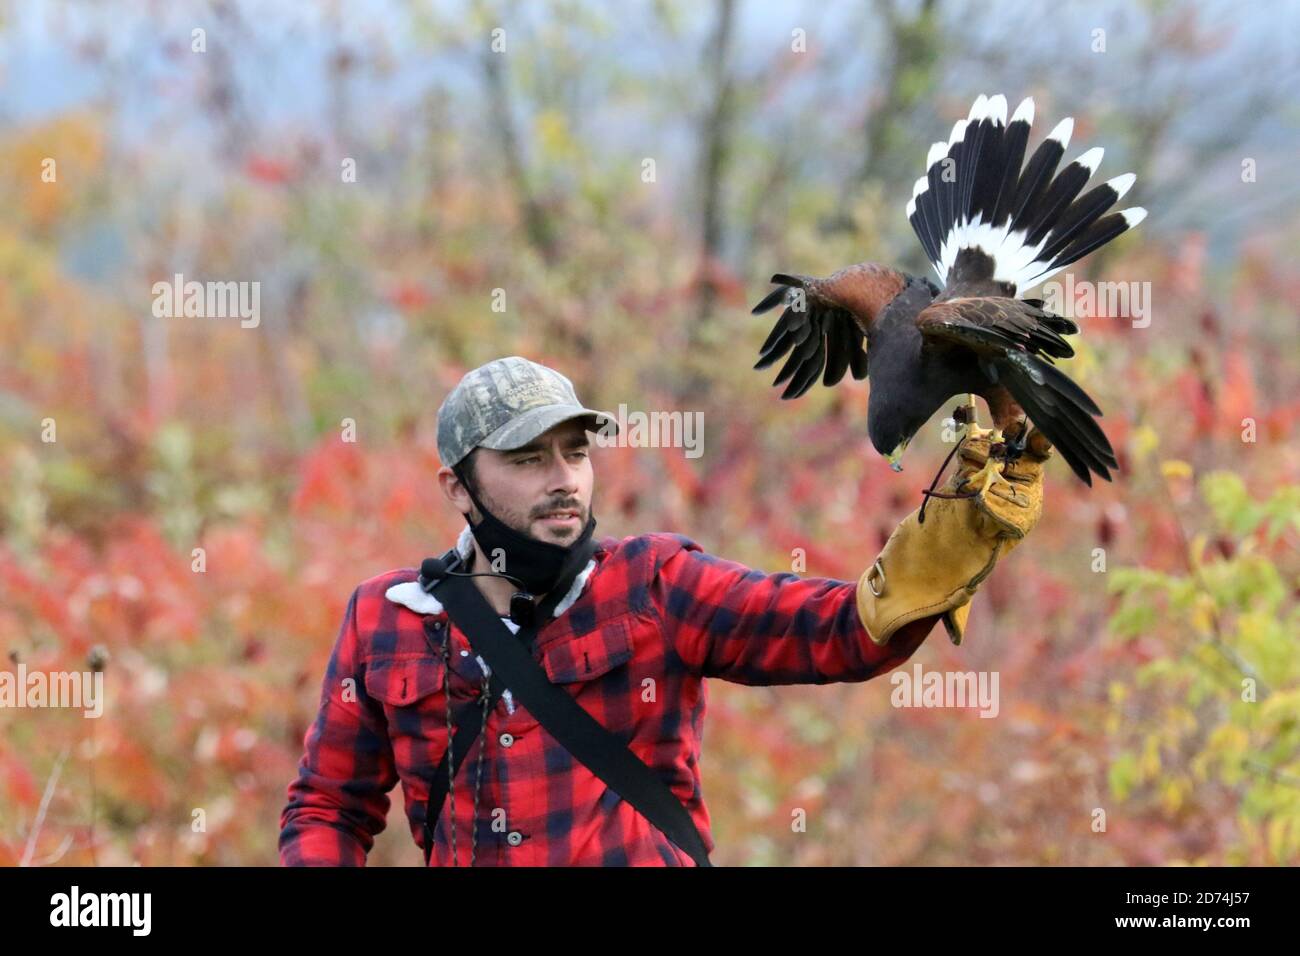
(478, 772)
(451, 751)
(451, 755)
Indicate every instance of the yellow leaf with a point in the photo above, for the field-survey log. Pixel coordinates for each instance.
(1281, 705)
(1277, 837)
(1145, 440)
(1149, 763)
(1175, 468)
(554, 136)
(1203, 615)
(1171, 796)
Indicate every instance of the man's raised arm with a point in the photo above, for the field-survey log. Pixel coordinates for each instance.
(726, 620)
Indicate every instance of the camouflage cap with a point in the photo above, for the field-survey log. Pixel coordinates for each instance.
(505, 404)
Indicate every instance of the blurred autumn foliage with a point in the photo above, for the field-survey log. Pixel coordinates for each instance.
(1145, 639)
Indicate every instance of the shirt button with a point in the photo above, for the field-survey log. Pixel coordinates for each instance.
(506, 740)
(514, 838)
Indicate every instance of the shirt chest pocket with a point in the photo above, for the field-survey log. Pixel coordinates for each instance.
(401, 682)
(410, 690)
(601, 670)
(409, 677)
(590, 656)
(414, 698)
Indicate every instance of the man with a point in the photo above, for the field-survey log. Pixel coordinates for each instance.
(633, 640)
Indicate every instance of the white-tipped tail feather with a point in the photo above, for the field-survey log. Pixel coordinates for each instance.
(1031, 222)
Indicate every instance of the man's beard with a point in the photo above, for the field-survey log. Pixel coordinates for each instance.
(537, 562)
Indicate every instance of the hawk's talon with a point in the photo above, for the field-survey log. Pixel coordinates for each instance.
(989, 476)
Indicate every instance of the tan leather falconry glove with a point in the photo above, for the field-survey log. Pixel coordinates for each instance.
(936, 566)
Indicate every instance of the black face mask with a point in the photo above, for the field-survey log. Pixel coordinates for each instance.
(539, 564)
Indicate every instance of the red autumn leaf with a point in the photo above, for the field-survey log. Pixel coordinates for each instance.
(264, 169)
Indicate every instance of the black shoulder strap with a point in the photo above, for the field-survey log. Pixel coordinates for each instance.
(467, 728)
(564, 718)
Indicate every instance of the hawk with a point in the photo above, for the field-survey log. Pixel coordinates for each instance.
(992, 230)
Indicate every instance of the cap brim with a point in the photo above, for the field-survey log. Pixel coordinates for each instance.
(537, 421)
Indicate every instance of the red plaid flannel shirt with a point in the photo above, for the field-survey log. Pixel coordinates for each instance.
(657, 616)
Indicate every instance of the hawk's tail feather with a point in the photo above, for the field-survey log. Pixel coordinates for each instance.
(1063, 411)
(1030, 223)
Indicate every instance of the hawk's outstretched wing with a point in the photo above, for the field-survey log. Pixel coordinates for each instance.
(825, 323)
(818, 334)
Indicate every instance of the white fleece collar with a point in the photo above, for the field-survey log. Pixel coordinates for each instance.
(411, 595)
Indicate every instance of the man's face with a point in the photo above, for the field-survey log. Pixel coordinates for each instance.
(542, 490)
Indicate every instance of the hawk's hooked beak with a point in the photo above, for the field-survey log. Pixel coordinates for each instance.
(896, 454)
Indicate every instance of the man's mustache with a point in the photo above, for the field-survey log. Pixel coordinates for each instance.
(561, 506)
